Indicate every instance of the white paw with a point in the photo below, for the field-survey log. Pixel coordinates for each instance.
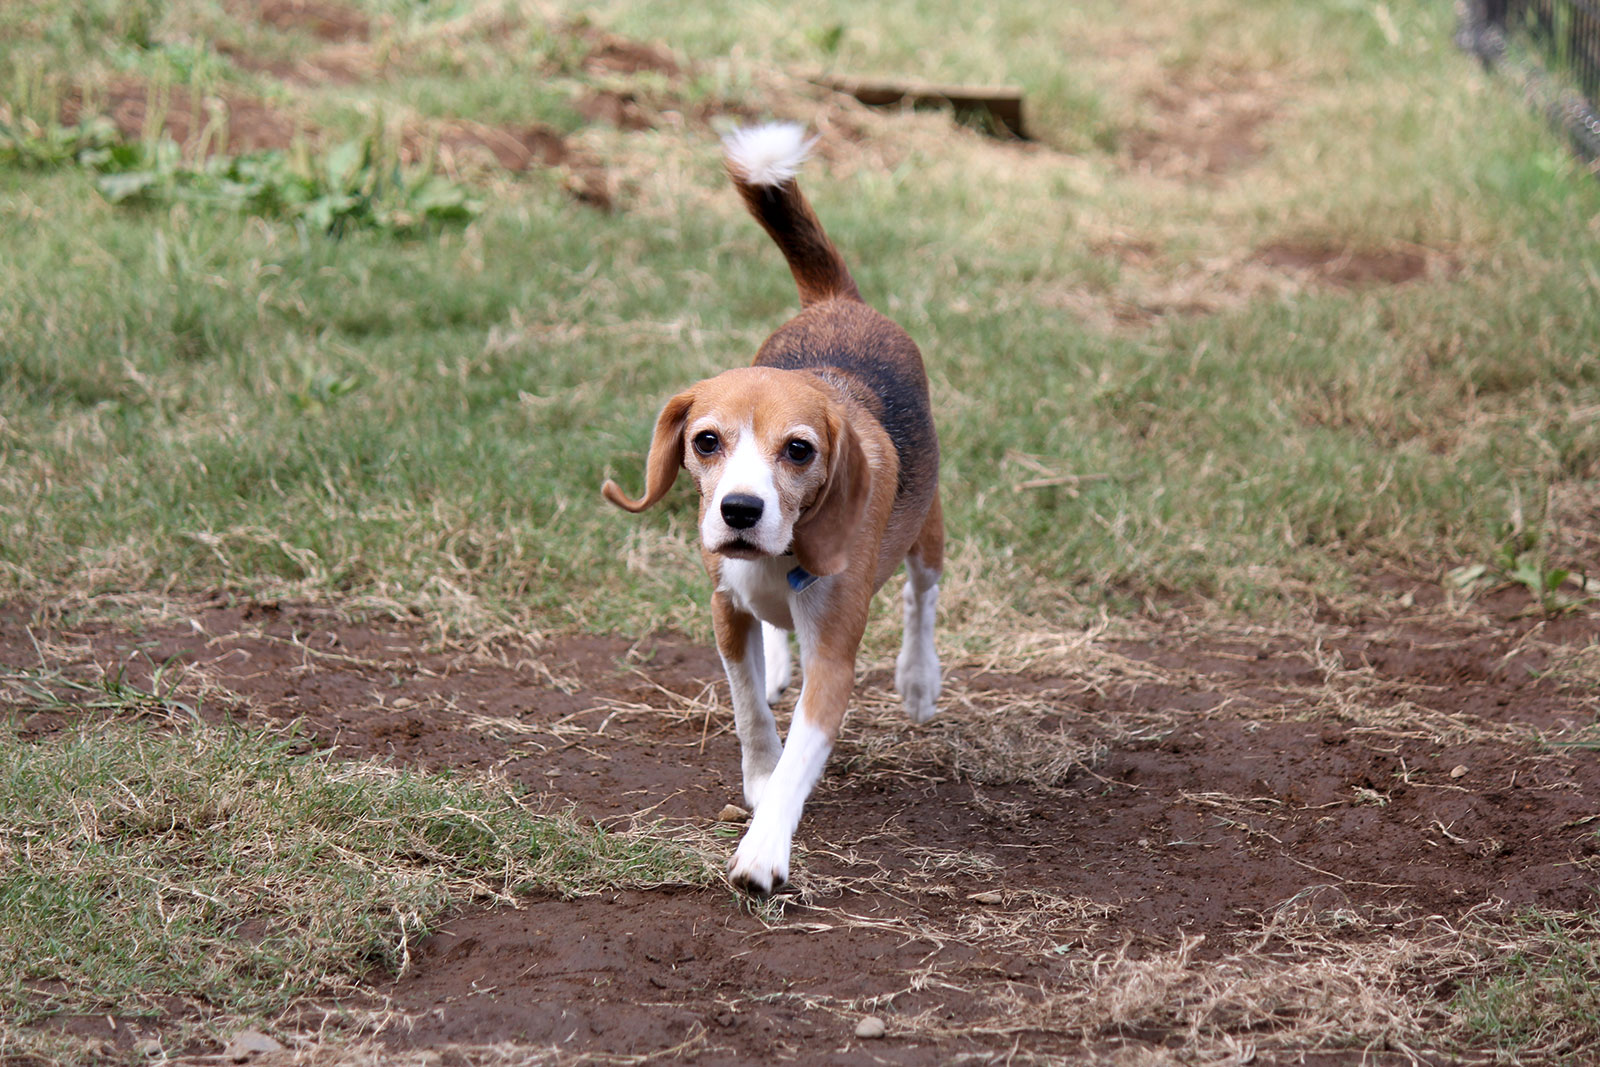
(775, 654)
(917, 681)
(761, 863)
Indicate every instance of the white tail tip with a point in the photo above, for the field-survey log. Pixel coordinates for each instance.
(769, 154)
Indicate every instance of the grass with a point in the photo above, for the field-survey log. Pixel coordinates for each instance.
(353, 184)
(1544, 998)
(200, 398)
(316, 873)
(231, 868)
(1159, 373)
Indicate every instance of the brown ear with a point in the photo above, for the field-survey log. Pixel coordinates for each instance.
(825, 532)
(665, 460)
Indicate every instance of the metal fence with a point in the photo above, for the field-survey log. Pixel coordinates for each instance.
(1564, 36)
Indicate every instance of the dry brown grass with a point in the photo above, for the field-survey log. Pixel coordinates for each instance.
(1316, 974)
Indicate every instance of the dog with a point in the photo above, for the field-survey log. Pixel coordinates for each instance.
(818, 474)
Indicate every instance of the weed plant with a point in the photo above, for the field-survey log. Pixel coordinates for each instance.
(355, 183)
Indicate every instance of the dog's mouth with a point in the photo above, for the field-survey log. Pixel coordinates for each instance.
(739, 548)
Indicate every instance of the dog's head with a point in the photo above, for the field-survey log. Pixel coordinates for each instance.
(779, 467)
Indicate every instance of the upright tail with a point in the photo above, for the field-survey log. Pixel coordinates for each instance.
(763, 160)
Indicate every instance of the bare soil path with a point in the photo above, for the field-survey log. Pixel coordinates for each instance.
(1174, 798)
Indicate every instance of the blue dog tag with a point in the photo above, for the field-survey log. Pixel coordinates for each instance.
(799, 578)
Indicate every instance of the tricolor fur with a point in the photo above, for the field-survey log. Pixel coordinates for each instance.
(817, 469)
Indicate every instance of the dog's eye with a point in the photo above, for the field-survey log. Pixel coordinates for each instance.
(799, 451)
(706, 443)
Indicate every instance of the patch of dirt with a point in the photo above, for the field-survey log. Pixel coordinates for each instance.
(1156, 288)
(619, 109)
(516, 148)
(1201, 126)
(611, 54)
(225, 121)
(684, 976)
(612, 57)
(1346, 268)
(1384, 767)
(320, 18)
(350, 59)
(236, 124)
(1133, 251)
(456, 144)
(340, 64)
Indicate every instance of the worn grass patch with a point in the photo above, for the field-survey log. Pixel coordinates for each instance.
(1316, 980)
(1318, 974)
(227, 869)
(1186, 843)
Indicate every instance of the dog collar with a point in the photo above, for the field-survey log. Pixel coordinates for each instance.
(799, 578)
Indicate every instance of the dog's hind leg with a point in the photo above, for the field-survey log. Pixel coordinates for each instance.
(916, 675)
(739, 640)
(775, 652)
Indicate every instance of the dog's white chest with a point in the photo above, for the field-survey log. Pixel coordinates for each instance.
(761, 587)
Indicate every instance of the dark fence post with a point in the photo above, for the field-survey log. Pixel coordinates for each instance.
(1565, 36)
(1482, 29)
(1585, 47)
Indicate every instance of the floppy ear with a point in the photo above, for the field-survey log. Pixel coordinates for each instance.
(665, 460)
(824, 534)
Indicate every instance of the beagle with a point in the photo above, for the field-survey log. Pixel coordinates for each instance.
(818, 471)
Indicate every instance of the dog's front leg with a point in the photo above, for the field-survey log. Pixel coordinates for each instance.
(775, 647)
(761, 863)
(739, 641)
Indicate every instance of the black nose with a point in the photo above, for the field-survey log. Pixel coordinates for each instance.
(741, 510)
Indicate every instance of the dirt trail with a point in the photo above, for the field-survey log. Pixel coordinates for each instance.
(947, 877)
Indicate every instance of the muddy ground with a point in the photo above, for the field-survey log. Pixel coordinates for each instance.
(1174, 793)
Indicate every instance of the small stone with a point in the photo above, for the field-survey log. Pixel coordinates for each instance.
(148, 1046)
(1458, 770)
(401, 702)
(870, 1028)
(247, 1043)
(732, 813)
(988, 896)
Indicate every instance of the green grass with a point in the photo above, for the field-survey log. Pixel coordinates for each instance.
(196, 397)
(1543, 1001)
(229, 867)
